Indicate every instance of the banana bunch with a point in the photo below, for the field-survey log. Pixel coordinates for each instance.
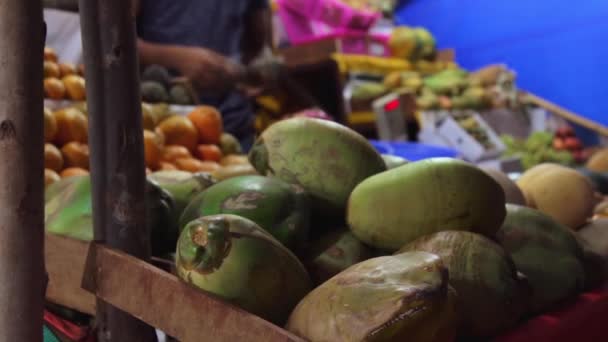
(369, 64)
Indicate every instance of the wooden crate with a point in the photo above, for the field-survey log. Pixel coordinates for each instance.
(79, 272)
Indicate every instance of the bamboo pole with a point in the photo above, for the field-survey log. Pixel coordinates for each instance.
(117, 160)
(22, 276)
(566, 114)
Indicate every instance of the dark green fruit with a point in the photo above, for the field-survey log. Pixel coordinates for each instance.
(180, 95)
(156, 73)
(279, 208)
(153, 92)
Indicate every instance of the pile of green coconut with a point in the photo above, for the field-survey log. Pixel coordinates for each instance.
(336, 242)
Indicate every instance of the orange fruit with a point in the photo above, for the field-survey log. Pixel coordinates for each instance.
(50, 125)
(178, 130)
(51, 69)
(50, 177)
(73, 171)
(54, 88)
(75, 87)
(49, 54)
(76, 154)
(67, 69)
(173, 152)
(153, 148)
(195, 165)
(166, 166)
(209, 152)
(53, 159)
(208, 122)
(71, 126)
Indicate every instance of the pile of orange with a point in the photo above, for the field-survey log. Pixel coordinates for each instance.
(188, 143)
(66, 152)
(62, 80)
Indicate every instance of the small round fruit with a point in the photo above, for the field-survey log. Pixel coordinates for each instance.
(81, 70)
(208, 122)
(53, 159)
(229, 144)
(195, 165)
(166, 166)
(50, 54)
(76, 154)
(50, 125)
(209, 152)
(178, 130)
(50, 177)
(147, 119)
(173, 152)
(54, 88)
(51, 69)
(153, 147)
(234, 159)
(75, 87)
(71, 126)
(67, 69)
(73, 171)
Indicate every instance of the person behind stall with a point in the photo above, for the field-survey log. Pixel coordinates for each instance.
(209, 42)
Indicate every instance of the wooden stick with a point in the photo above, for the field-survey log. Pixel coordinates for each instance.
(22, 276)
(566, 114)
(116, 140)
(162, 300)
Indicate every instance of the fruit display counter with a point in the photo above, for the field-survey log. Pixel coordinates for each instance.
(325, 231)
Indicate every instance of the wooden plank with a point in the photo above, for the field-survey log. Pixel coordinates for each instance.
(65, 262)
(163, 301)
(566, 114)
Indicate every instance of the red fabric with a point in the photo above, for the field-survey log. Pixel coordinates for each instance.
(68, 329)
(583, 320)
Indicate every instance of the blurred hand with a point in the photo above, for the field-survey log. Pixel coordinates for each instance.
(208, 71)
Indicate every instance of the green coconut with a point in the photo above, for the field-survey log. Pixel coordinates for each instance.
(335, 252)
(233, 258)
(395, 207)
(327, 159)
(546, 252)
(68, 212)
(183, 186)
(394, 298)
(491, 295)
(277, 207)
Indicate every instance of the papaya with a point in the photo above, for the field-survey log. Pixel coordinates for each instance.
(68, 212)
(277, 207)
(598, 161)
(325, 158)
(546, 252)
(559, 192)
(395, 207)
(394, 298)
(513, 193)
(491, 297)
(233, 258)
(333, 253)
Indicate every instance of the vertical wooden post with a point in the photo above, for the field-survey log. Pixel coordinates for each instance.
(116, 141)
(22, 276)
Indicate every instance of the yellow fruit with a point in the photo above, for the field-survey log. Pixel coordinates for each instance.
(153, 147)
(73, 171)
(50, 177)
(67, 69)
(54, 88)
(179, 130)
(50, 125)
(51, 69)
(75, 87)
(76, 154)
(49, 54)
(559, 192)
(53, 159)
(71, 126)
(599, 161)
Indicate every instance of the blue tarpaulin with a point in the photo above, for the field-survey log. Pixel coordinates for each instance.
(558, 48)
